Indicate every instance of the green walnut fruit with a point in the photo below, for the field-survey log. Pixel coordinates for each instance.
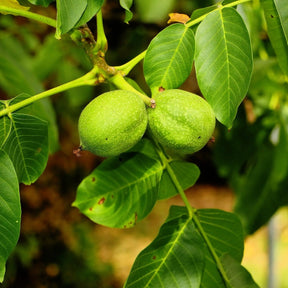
(112, 123)
(182, 122)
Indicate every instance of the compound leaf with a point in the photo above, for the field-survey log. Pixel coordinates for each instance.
(174, 259)
(10, 210)
(223, 62)
(120, 191)
(26, 144)
(169, 58)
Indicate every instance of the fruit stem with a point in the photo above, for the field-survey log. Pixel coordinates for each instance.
(27, 14)
(127, 67)
(88, 79)
(119, 81)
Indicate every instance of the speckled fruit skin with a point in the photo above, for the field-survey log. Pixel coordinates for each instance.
(182, 122)
(112, 123)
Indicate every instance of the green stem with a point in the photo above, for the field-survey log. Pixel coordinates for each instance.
(199, 19)
(165, 161)
(119, 81)
(87, 79)
(211, 249)
(127, 67)
(27, 14)
(101, 43)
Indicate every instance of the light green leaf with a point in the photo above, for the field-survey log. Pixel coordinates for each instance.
(26, 144)
(238, 276)
(93, 6)
(120, 191)
(14, 4)
(169, 58)
(277, 23)
(10, 210)
(174, 259)
(126, 4)
(187, 174)
(69, 13)
(223, 62)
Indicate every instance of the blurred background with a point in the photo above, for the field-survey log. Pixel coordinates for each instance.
(58, 246)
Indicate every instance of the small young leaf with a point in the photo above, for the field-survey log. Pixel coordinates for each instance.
(126, 4)
(187, 174)
(223, 62)
(69, 13)
(238, 276)
(169, 58)
(26, 144)
(120, 191)
(10, 210)
(174, 259)
(277, 30)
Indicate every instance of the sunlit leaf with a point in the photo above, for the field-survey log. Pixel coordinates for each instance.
(26, 145)
(120, 191)
(223, 62)
(277, 22)
(169, 58)
(14, 4)
(10, 210)
(174, 259)
(93, 6)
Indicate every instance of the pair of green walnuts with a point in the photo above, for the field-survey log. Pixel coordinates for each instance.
(115, 121)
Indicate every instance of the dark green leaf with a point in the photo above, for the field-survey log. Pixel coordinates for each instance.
(169, 58)
(238, 276)
(223, 62)
(277, 30)
(10, 210)
(174, 259)
(224, 231)
(120, 191)
(26, 144)
(126, 4)
(187, 174)
(93, 6)
(69, 12)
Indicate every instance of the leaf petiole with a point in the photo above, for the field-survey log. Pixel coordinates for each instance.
(88, 79)
(27, 14)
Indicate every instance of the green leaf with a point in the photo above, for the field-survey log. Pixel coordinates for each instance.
(120, 191)
(238, 276)
(26, 144)
(93, 6)
(223, 62)
(126, 4)
(10, 210)
(187, 174)
(202, 11)
(277, 22)
(69, 12)
(14, 4)
(169, 58)
(224, 231)
(174, 259)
